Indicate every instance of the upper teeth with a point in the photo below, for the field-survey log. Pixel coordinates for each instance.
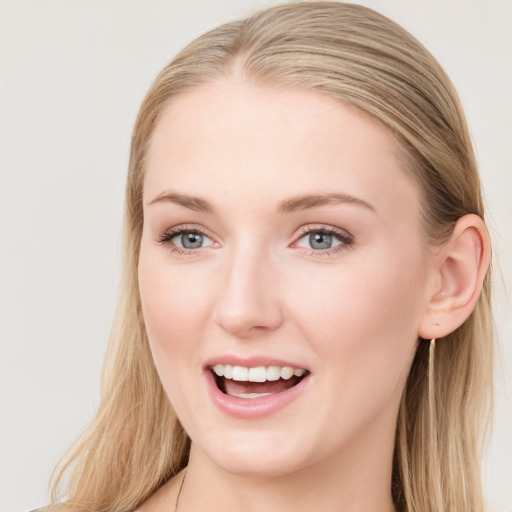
(258, 374)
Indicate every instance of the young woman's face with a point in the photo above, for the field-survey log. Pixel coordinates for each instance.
(281, 236)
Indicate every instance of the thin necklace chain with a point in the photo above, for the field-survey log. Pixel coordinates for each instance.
(179, 491)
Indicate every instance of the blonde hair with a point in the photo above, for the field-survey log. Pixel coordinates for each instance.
(348, 52)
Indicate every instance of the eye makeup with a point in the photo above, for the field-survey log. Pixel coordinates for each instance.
(318, 239)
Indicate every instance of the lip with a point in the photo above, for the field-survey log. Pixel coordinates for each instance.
(261, 407)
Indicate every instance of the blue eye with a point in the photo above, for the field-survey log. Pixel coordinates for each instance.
(183, 238)
(189, 240)
(320, 241)
(323, 240)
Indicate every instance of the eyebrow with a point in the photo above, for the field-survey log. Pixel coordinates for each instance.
(193, 203)
(288, 206)
(313, 201)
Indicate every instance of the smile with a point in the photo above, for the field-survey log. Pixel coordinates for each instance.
(255, 382)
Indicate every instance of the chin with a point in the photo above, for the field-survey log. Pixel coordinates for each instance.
(254, 454)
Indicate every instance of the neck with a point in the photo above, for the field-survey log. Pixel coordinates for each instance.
(350, 483)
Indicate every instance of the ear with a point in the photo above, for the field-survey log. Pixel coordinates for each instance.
(459, 272)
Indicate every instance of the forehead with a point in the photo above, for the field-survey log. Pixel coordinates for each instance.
(226, 136)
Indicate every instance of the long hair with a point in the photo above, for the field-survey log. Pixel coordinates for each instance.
(353, 54)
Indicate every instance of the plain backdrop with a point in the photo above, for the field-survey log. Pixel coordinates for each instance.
(72, 75)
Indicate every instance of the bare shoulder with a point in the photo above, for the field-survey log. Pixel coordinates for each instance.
(164, 498)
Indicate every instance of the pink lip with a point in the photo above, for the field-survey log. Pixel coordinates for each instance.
(246, 408)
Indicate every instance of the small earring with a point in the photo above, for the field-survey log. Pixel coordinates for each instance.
(431, 390)
(431, 354)
(431, 357)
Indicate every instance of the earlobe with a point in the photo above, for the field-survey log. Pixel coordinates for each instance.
(460, 270)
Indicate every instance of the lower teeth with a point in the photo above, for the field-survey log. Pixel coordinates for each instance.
(249, 395)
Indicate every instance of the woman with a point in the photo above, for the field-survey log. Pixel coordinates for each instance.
(305, 320)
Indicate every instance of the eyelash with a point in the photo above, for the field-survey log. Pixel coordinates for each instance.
(345, 238)
(165, 238)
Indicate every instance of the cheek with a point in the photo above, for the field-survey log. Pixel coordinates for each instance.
(174, 303)
(362, 324)
(363, 319)
(174, 306)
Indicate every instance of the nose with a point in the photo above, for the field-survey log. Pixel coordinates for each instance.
(248, 302)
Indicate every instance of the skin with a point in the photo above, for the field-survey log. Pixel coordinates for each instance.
(256, 287)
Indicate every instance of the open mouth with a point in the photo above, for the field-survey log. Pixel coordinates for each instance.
(250, 383)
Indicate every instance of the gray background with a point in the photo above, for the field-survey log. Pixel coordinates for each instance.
(72, 75)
